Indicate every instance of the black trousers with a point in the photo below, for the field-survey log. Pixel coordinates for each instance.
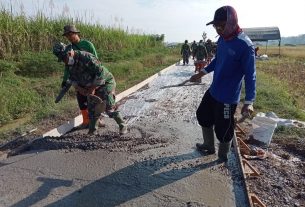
(212, 113)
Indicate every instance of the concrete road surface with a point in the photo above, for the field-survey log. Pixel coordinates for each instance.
(155, 164)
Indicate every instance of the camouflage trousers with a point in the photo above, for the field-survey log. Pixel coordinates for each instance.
(107, 94)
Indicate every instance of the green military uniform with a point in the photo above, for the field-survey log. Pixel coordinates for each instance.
(193, 48)
(83, 45)
(201, 51)
(87, 71)
(185, 52)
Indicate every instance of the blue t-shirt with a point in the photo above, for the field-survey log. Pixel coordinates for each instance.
(234, 61)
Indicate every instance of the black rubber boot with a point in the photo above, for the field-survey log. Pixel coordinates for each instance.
(223, 151)
(208, 138)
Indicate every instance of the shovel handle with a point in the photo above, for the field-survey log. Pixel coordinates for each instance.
(184, 82)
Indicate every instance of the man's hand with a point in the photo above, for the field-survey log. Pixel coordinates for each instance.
(196, 77)
(247, 110)
(85, 91)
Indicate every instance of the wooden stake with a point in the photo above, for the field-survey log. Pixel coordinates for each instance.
(244, 148)
(252, 172)
(255, 201)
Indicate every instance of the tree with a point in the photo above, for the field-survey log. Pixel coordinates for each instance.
(204, 36)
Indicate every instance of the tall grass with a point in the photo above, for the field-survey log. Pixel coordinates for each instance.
(20, 33)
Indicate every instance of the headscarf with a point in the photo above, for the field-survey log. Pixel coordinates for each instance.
(232, 28)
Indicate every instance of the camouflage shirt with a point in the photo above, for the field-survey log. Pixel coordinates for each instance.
(201, 52)
(185, 49)
(83, 45)
(87, 70)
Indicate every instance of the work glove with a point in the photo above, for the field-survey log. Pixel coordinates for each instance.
(247, 110)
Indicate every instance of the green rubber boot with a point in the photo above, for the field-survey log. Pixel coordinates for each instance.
(93, 126)
(208, 141)
(119, 120)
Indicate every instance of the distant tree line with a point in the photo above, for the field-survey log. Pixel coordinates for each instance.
(296, 40)
(293, 40)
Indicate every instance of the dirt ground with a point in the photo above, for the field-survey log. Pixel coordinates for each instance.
(15, 139)
(282, 174)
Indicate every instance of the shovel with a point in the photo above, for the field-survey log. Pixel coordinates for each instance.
(177, 85)
(183, 84)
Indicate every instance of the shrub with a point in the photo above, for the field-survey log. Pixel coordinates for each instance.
(38, 64)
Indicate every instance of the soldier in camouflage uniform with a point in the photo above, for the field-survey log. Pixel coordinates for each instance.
(72, 34)
(193, 48)
(201, 56)
(92, 80)
(201, 51)
(185, 52)
(209, 47)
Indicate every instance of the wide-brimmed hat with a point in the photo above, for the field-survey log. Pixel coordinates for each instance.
(70, 29)
(219, 16)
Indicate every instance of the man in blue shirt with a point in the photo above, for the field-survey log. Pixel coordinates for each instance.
(233, 62)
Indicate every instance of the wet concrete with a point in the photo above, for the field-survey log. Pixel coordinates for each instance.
(155, 164)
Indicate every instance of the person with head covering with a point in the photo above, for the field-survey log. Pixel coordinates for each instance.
(92, 80)
(234, 62)
(77, 43)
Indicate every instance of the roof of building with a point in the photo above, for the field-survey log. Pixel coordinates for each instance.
(263, 33)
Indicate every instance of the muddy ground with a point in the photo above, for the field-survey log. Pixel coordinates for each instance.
(282, 179)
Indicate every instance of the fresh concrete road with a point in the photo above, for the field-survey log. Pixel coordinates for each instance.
(155, 164)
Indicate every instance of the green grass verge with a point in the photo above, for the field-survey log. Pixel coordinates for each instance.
(273, 95)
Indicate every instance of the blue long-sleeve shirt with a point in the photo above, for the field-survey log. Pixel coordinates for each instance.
(234, 61)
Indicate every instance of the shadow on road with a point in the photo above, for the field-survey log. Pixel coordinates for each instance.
(43, 191)
(123, 185)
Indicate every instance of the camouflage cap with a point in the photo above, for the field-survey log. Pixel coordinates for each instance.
(60, 51)
(70, 29)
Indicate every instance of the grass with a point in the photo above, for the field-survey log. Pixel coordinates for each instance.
(289, 68)
(273, 95)
(280, 83)
(290, 131)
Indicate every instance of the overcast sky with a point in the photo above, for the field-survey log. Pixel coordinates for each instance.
(177, 19)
